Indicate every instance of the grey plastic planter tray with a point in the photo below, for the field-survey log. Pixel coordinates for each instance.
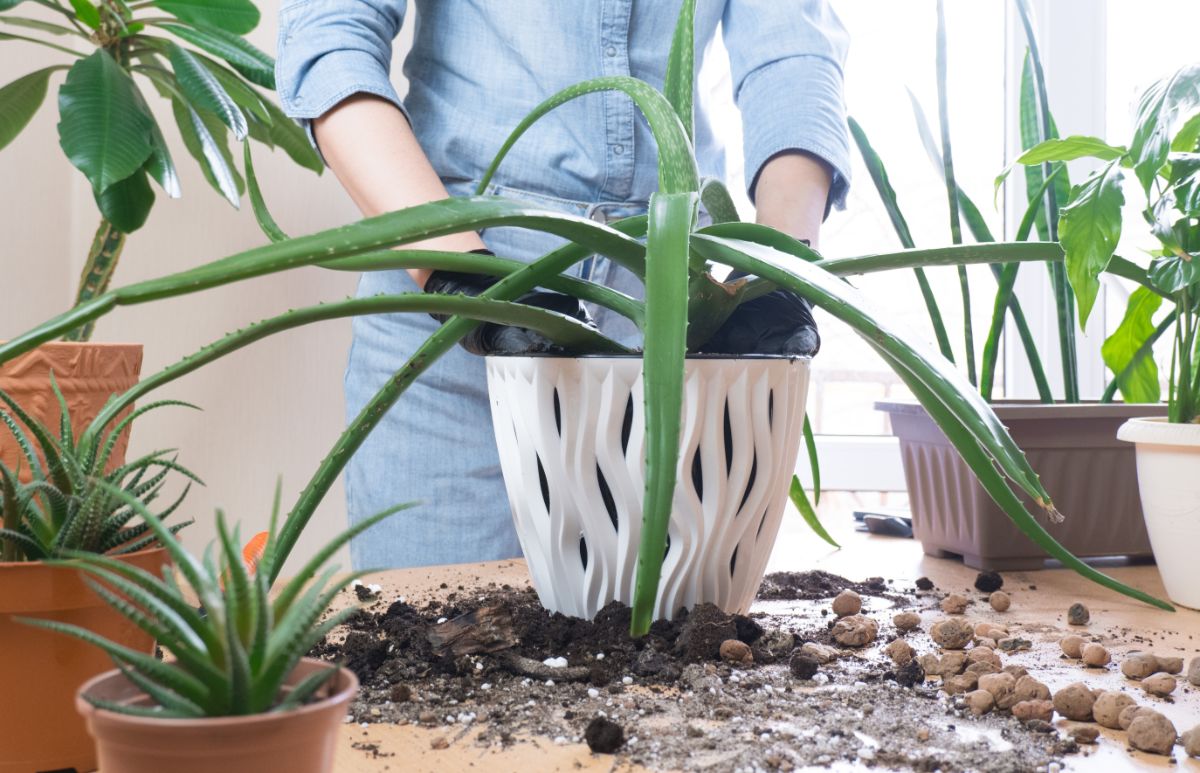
(1091, 475)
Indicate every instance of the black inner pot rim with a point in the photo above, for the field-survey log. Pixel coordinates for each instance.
(638, 356)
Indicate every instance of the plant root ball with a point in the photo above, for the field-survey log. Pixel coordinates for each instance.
(1026, 711)
(855, 631)
(1000, 601)
(953, 634)
(1072, 646)
(910, 674)
(1078, 614)
(1075, 702)
(736, 651)
(924, 583)
(980, 702)
(1139, 665)
(604, 736)
(1160, 685)
(1108, 707)
(908, 621)
(955, 604)
(1152, 732)
(1095, 655)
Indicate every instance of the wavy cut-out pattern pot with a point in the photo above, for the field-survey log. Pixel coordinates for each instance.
(571, 433)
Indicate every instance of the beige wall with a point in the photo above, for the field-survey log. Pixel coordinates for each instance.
(270, 410)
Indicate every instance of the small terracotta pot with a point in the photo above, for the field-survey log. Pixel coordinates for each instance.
(300, 741)
(87, 373)
(40, 670)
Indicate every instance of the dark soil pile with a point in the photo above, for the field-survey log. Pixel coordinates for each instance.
(490, 662)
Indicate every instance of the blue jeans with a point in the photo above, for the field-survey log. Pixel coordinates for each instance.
(436, 446)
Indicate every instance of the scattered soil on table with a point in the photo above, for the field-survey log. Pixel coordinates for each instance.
(489, 663)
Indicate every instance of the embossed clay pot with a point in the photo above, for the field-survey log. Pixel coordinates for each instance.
(300, 741)
(571, 436)
(1168, 474)
(40, 671)
(87, 373)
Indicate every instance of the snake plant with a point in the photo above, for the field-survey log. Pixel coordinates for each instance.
(684, 304)
(193, 55)
(72, 500)
(1164, 156)
(232, 656)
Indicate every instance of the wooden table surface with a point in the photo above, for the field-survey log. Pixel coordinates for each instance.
(1041, 615)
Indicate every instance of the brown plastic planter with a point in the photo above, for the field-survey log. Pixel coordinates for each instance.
(87, 373)
(40, 671)
(300, 741)
(1074, 448)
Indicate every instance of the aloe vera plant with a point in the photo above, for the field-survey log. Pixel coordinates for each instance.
(1164, 156)
(72, 502)
(194, 56)
(684, 302)
(231, 656)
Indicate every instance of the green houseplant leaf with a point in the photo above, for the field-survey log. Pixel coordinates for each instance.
(203, 91)
(254, 64)
(1071, 148)
(127, 203)
(1137, 375)
(1157, 112)
(87, 13)
(1090, 228)
(236, 16)
(19, 101)
(103, 128)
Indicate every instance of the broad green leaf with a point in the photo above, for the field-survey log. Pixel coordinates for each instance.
(86, 13)
(1185, 183)
(203, 90)
(1071, 148)
(236, 16)
(160, 166)
(19, 101)
(287, 134)
(103, 128)
(1172, 273)
(1187, 139)
(1090, 228)
(255, 65)
(1160, 107)
(126, 203)
(242, 93)
(1138, 384)
(204, 138)
(6, 4)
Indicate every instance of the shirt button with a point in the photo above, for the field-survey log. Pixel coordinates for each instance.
(618, 149)
(610, 51)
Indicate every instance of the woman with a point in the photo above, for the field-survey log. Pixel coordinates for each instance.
(477, 67)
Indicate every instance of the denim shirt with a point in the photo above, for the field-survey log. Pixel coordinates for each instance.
(477, 67)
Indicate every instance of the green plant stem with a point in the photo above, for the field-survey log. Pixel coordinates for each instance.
(36, 41)
(1143, 351)
(97, 274)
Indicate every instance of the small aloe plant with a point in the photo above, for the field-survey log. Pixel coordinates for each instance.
(232, 656)
(70, 502)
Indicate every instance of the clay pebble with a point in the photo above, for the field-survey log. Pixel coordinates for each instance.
(1139, 665)
(1160, 685)
(1152, 732)
(803, 666)
(953, 634)
(1108, 707)
(1085, 734)
(906, 621)
(1075, 702)
(900, 652)
(955, 604)
(1072, 646)
(1095, 655)
(980, 702)
(1000, 601)
(1193, 672)
(1191, 742)
(847, 603)
(855, 631)
(1078, 614)
(735, 651)
(1026, 711)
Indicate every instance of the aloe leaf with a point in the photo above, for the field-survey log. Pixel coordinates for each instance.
(681, 65)
(421, 222)
(172, 702)
(887, 195)
(808, 513)
(676, 164)
(305, 688)
(717, 201)
(671, 217)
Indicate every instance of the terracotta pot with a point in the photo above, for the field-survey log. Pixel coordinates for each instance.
(1168, 465)
(300, 741)
(571, 436)
(87, 373)
(1089, 473)
(40, 671)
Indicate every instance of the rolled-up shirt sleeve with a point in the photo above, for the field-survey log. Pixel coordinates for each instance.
(329, 50)
(786, 59)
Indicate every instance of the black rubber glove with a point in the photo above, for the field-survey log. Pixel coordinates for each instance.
(780, 322)
(491, 338)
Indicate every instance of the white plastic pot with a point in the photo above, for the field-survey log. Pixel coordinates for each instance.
(1168, 465)
(570, 432)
